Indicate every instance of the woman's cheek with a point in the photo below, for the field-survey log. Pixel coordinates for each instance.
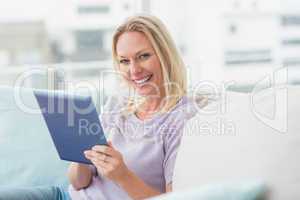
(126, 77)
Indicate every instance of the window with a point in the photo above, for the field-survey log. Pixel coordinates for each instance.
(93, 9)
(236, 57)
(89, 39)
(290, 20)
(291, 61)
(90, 45)
(291, 42)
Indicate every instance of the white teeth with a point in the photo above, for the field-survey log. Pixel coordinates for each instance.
(143, 80)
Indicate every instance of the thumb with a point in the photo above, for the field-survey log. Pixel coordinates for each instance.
(109, 143)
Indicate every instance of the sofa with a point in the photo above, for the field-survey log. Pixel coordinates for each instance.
(209, 160)
(28, 156)
(244, 138)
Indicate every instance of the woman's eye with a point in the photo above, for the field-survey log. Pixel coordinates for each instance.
(144, 56)
(124, 61)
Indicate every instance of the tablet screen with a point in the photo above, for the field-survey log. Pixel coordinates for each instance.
(73, 123)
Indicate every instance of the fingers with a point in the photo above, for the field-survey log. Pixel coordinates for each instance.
(104, 149)
(110, 144)
(90, 154)
(104, 157)
(101, 164)
(108, 161)
(104, 168)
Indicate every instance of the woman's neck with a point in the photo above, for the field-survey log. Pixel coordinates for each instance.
(149, 107)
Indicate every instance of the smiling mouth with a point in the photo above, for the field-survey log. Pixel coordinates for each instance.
(143, 80)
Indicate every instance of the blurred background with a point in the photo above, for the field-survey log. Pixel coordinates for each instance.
(220, 40)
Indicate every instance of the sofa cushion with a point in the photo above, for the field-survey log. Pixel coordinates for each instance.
(241, 191)
(28, 156)
(244, 141)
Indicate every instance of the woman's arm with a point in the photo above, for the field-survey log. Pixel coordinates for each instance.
(169, 187)
(80, 175)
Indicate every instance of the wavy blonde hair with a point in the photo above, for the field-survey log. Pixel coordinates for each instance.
(173, 68)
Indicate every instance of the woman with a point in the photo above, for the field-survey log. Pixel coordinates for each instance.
(144, 132)
(143, 128)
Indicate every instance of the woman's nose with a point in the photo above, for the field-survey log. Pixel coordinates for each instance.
(135, 68)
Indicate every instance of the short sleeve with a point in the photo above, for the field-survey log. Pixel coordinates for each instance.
(171, 145)
(175, 125)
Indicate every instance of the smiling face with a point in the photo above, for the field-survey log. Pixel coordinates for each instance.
(140, 64)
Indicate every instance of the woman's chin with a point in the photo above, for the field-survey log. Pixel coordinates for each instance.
(144, 91)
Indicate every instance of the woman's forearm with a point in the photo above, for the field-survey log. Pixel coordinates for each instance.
(136, 187)
(80, 175)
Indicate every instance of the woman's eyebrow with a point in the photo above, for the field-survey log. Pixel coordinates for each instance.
(137, 53)
(140, 51)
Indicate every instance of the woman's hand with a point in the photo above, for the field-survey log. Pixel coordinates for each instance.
(108, 161)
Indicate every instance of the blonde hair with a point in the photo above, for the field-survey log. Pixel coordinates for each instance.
(173, 69)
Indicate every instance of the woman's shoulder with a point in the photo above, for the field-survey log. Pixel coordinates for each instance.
(114, 104)
(111, 114)
(189, 105)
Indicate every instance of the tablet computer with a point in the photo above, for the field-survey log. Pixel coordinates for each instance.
(73, 123)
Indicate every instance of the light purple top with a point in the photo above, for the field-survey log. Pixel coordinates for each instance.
(149, 147)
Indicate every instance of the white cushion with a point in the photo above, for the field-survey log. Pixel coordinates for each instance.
(244, 148)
